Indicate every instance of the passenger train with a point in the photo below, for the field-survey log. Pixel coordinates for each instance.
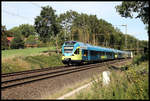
(75, 52)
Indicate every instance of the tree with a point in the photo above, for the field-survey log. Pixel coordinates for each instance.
(24, 29)
(46, 25)
(66, 21)
(4, 42)
(127, 8)
(31, 40)
(15, 30)
(81, 26)
(27, 30)
(94, 27)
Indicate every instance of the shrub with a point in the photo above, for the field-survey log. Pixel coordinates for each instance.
(131, 84)
(17, 42)
(140, 58)
(31, 40)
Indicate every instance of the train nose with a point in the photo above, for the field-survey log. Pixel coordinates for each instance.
(66, 60)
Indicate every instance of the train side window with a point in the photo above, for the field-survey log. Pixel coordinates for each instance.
(110, 54)
(93, 53)
(77, 51)
(107, 53)
(102, 53)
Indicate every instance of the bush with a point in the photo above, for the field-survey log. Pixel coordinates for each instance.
(4, 41)
(131, 84)
(31, 40)
(140, 58)
(41, 44)
(17, 42)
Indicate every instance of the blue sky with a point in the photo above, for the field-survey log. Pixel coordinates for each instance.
(17, 13)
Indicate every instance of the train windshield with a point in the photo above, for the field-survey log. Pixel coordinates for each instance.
(68, 49)
(70, 43)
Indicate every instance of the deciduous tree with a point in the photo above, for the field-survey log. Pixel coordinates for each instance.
(128, 8)
(46, 24)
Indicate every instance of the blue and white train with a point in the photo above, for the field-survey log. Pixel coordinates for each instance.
(77, 52)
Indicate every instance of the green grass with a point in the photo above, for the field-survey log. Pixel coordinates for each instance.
(45, 61)
(31, 62)
(29, 59)
(23, 52)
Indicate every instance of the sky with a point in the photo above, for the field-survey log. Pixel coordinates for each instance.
(17, 13)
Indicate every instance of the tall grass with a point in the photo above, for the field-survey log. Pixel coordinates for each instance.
(44, 60)
(28, 59)
(130, 84)
(31, 62)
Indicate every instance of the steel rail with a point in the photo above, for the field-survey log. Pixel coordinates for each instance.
(64, 71)
(30, 71)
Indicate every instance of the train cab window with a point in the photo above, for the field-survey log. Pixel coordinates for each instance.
(68, 49)
(77, 51)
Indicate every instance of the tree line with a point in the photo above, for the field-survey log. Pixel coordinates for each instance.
(52, 29)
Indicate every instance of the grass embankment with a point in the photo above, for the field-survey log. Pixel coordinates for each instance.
(23, 52)
(28, 59)
(128, 84)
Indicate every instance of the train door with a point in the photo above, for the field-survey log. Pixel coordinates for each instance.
(85, 55)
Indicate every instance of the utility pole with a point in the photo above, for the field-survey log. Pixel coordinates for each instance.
(137, 43)
(64, 24)
(126, 35)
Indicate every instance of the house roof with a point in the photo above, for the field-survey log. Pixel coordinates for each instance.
(10, 38)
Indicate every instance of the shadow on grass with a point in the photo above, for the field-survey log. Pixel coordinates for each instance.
(118, 68)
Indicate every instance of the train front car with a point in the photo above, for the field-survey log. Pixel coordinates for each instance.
(71, 53)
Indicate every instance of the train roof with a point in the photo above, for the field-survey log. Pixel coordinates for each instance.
(95, 48)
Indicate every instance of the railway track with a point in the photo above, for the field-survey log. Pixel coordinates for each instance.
(30, 71)
(17, 79)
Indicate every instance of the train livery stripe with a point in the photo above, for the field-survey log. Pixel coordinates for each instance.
(104, 57)
(77, 56)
